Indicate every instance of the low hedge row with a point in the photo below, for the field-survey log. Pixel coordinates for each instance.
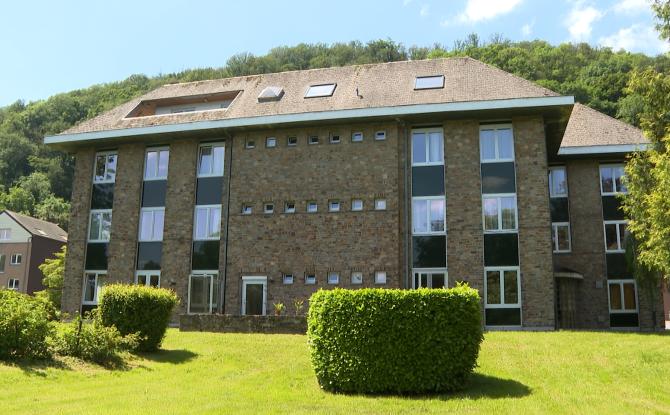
(394, 341)
(141, 310)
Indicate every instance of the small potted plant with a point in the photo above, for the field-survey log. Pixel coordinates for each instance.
(298, 305)
(279, 308)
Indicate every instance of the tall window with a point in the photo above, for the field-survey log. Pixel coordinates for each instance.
(93, 283)
(622, 296)
(203, 293)
(15, 259)
(2, 262)
(560, 236)
(105, 167)
(500, 213)
(427, 147)
(502, 287)
(612, 179)
(615, 235)
(207, 223)
(100, 225)
(428, 215)
(210, 160)
(558, 182)
(156, 164)
(151, 224)
(5, 234)
(496, 143)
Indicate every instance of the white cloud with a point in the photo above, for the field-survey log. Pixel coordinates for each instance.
(527, 29)
(424, 10)
(632, 6)
(406, 2)
(580, 21)
(636, 38)
(479, 10)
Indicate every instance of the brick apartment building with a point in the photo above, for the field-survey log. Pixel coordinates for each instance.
(244, 192)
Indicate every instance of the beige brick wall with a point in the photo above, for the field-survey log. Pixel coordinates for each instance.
(19, 272)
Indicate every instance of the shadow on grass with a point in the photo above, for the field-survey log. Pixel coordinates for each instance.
(175, 357)
(40, 367)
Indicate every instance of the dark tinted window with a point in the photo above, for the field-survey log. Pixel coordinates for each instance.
(429, 251)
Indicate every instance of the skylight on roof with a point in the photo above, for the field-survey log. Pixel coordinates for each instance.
(429, 82)
(184, 104)
(271, 93)
(323, 90)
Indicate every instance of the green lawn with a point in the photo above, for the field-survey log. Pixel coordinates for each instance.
(562, 372)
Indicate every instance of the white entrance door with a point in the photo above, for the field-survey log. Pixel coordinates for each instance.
(254, 296)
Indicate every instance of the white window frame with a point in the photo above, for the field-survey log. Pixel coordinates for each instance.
(310, 137)
(378, 280)
(328, 89)
(552, 193)
(268, 208)
(249, 143)
(430, 272)
(288, 141)
(255, 279)
(15, 259)
(554, 233)
(380, 135)
(380, 204)
(431, 77)
(288, 279)
(158, 151)
(212, 173)
(213, 276)
(153, 211)
(429, 232)
(353, 206)
(600, 175)
(334, 206)
(288, 209)
(13, 286)
(357, 137)
(316, 206)
(426, 132)
(270, 142)
(195, 227)
(90, 223)
(496, 127)
(307, 274)
(98, 274)
(500, 229)
(333, 139)
(247, 209)
(335, 278)
(95, 161)
(5, 234)
(620, 283)
(147, 274)
(502, 287)
(357, 282)
(621, 242)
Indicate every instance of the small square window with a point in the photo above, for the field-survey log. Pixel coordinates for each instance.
(250, 144)
(292, 141)
(270, 142)
(312, 207)
(289, 207)
(310, 279)
(246, 209)
(288, 278)
(334, 139)
(380, 277)
(357, 137)
(334, 206)
(380, 204)
(333, 278)
(380, 135)
(313, 139)
(357, 204)
(268, 207)
(357, 277)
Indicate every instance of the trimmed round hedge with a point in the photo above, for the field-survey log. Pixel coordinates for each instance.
(138, 309)
(394, 341)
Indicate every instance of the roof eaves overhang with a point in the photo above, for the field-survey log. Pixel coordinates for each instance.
(68, 140)
(602, 149)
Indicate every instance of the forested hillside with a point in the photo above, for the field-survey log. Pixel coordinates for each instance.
(37, 181)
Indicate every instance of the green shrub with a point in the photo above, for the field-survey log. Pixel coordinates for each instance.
(394, 341)
(138, 309)
(24, 326)
(91, 341)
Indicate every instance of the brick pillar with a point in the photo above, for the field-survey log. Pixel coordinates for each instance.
(465, 237)
(535, 251)
(178, 231)
(125, 213)
(78, 227)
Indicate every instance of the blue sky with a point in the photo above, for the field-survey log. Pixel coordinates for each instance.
(49, 47)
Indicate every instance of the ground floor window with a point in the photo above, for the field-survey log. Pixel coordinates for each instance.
(93, 283)
(502, 296)
(148, 278)
(623, 305)
(13, 284)
(254, 295)
(429, 278)
(203, 292)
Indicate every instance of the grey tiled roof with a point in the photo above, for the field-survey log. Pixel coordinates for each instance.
(379, 85)
(39, 227)
(588, 127)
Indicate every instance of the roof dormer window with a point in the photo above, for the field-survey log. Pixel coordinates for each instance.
(429, 82)
(322, 90)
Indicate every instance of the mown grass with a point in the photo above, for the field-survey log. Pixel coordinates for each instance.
(561, 372)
